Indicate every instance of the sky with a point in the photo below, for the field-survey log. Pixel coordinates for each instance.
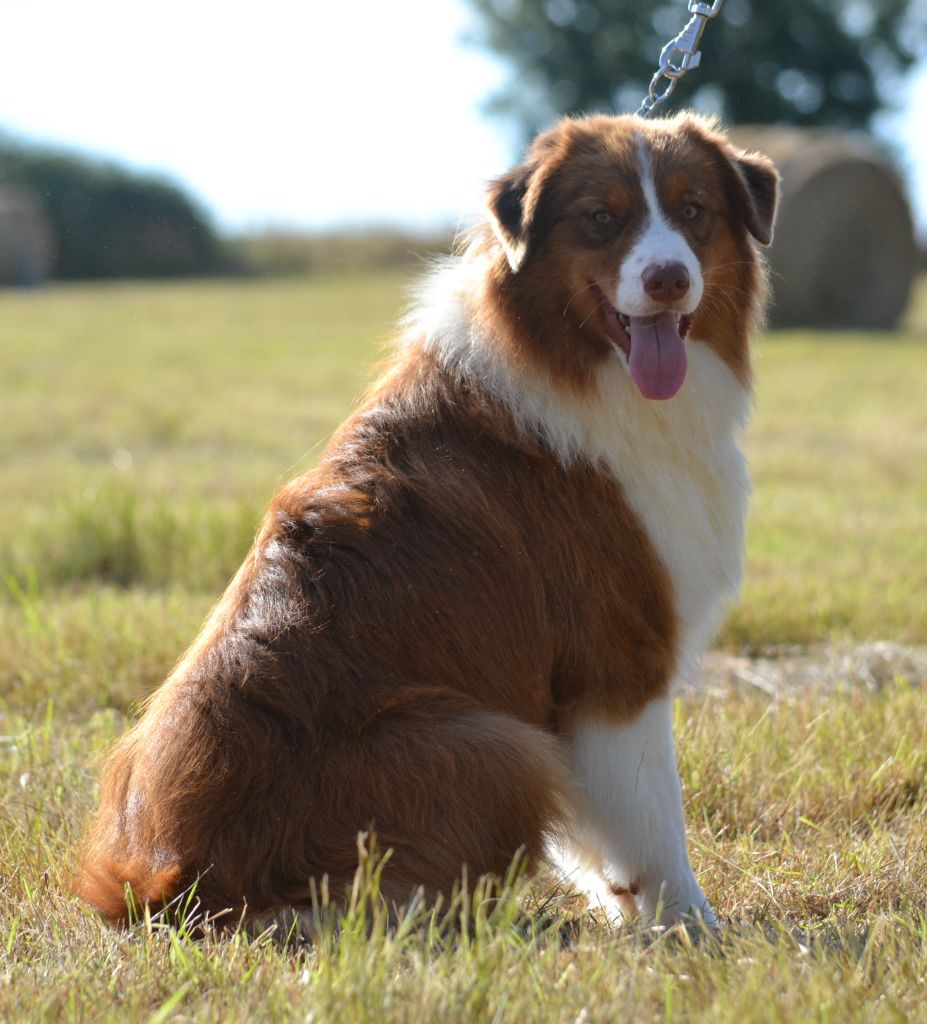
(290, 112)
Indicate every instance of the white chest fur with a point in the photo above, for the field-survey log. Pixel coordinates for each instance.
(683, 473)
(680, 468)
(678, 462)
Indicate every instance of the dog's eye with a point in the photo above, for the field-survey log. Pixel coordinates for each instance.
(691, 210)
(602, 217)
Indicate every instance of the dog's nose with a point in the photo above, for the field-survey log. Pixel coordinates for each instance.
(666, 282)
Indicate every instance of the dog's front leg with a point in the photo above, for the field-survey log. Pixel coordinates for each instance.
(626, 772)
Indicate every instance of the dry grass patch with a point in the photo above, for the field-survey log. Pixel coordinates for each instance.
(806, 817)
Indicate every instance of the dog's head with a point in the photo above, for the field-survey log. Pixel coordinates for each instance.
(635, 235)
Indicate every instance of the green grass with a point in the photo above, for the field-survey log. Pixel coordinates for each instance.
(145, 428)
(837, 536)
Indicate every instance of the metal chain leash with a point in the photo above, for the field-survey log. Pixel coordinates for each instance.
(679, 55)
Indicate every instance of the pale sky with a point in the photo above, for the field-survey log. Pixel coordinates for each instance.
(311, 113)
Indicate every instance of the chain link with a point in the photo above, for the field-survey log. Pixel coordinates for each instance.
(679, 56)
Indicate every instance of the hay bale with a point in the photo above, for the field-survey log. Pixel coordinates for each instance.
(26, 239)
(844, 254)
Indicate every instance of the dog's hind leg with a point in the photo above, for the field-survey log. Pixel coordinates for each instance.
(444, 785)
(445, 790)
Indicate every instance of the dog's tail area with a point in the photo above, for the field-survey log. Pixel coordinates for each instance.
(126, 861)
(120, 890)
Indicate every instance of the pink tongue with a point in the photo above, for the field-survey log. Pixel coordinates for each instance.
(658, 355)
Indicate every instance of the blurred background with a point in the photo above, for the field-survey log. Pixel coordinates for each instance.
(210, 219)
(194, 139)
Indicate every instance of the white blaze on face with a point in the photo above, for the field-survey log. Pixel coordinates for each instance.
(659, 243)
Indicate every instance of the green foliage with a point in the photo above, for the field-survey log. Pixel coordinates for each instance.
(795, 61)
(109, 222)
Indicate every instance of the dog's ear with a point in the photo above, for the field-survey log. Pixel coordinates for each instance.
(509, 215)
(760, 182)
(512, 203)
(751, 180)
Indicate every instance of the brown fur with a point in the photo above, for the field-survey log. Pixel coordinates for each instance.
(546, 309)
(421, 616)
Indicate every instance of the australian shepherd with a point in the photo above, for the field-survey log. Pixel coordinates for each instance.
(462, 630)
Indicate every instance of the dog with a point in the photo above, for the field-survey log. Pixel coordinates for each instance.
(463, 628)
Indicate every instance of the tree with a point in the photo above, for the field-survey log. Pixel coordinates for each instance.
(111, 222)
(820, 62)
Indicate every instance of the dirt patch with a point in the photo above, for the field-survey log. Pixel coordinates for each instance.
(785, 670)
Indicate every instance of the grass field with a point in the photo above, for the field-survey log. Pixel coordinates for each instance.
(144, 428)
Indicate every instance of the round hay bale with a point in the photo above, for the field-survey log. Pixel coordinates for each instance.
(26, 238)
(844, 253)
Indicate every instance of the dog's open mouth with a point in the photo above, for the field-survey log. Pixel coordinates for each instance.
(654, 346)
